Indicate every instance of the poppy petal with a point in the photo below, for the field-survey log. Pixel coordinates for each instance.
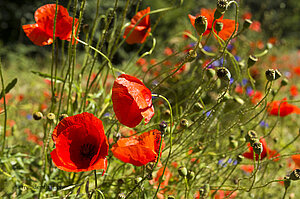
(228, 28)
(37, 35)
(145, 21)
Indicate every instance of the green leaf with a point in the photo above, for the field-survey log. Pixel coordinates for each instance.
(9, 87)
(47, 76)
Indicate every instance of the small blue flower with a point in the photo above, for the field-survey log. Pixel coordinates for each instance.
(207, 48)
(231, 80)
(264, 124)
(29, 116)
(237, 58)
(249, 90)
(208, 114)
(244, 82)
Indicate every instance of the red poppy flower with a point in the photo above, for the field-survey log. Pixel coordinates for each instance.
(132, 101)
(138, 150)
(141, 31)
(81, 144)
(41, 33)
(247, 168)
(256, 96)
(294, 90)
(265, 153)
(297, 70)
(255, 26)
(285, 108)
(296, 159)
(247, 15)
(228, 24)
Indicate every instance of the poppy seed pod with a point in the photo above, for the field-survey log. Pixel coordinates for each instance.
(272, 74)
(200, 24)
(37, 115)
(251, 60)
(295, 175)
(182, 171)
(219, 26)
(247, 24)
(62, 116)
(222, 5)
(284, 82)
(223, 73)
(257, 147)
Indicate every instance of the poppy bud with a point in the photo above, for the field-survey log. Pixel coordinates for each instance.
(163, 126)
(222, 5)
(238, 100)
(200, 24)
(121, 195)
(239, 158)
(190, 175)
(269, 46)
(257, 147)
(223, 73)
(184, 123)
(251, 60)
(250, 135)
(182, 171)
(287, 182)
(191, 55)
(197, 107)
(272, 74)
(219, 26)
(62, 116)
(210, 73)
(247, 24)
(284, 82)
(37, 115)
(51, 116)
(171, 197)
(295, 175)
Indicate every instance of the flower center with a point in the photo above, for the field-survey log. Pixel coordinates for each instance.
(88, 150)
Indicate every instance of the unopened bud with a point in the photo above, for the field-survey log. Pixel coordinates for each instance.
(182, 171)
(210, 73)
(251, 60)
(184, 123)
(284, 82)
(222, 5)
(219, 26)
(257, 147)
(197, 107)
(272, 74)
(295, 175)
(287, 182)
(37, 115)
(247, 23)
(239, 158)
(190, 175)
(201, 24)
(51, 116)
(171, 197)
(233, 144)
(223, 73)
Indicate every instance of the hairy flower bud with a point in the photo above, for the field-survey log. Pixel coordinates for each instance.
(284, 82)
(251, 60)
(247, 23)
(201, 24)
(223, 73)
(37, 115)
(184, 123)
(182, 171)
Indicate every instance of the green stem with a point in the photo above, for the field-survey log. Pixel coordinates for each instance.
(5, 111)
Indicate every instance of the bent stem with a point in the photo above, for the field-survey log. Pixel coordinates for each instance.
(5, 111)
(170, 151)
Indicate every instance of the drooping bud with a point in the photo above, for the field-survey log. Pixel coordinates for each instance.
(295, 175)
(239, 158)
(197, 107)
(251, 60)
(233, 144)
(247, 23)
(190, 175)
(272, 74)
(219, 26)
(37, 115)
(222, 5)
(201, 24)
(182, 171)
(223, 73)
